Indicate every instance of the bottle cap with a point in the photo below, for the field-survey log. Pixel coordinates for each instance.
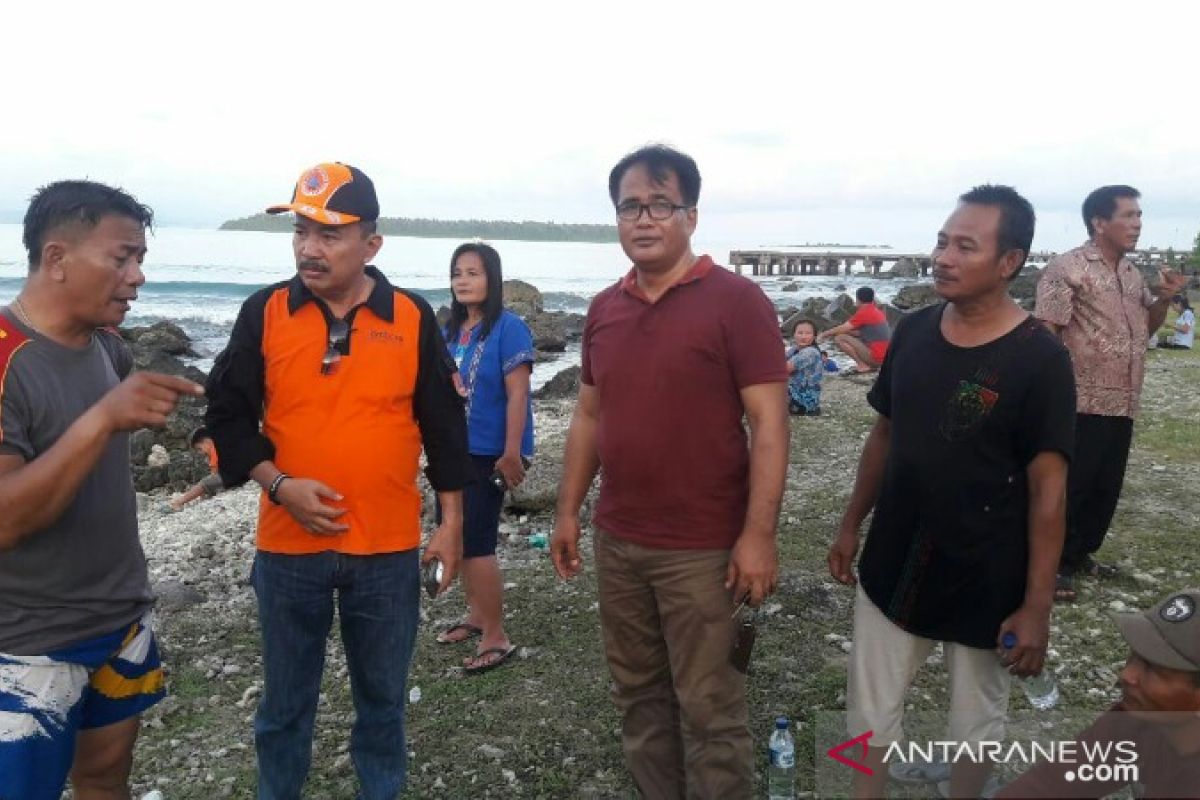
(1009, 640)
(781, 723)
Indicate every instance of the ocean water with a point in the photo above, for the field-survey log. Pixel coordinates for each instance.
(199, 278)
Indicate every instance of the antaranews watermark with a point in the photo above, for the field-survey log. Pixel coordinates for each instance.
(1030, 742)
(1085, 761)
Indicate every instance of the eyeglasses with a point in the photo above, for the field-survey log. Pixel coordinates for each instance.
(631, 210)
(339, 335)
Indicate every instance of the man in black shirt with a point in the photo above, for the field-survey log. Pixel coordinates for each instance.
(965, 469)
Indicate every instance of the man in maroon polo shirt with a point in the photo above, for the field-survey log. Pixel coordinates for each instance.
(674, 356)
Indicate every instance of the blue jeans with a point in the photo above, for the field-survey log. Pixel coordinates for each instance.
(377, 599)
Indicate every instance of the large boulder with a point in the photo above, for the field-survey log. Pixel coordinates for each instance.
(788, 326)
(814, 307)
(549, 331)
(840, 310)
(183, 468)
(563, 385)
(157, 348)
(141, 442)
(163, 337)
(188, 416)
(523, 299)
(906, 268)
(915, 296)
(893, 314)
(573, 325)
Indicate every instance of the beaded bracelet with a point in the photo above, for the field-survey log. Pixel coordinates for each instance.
(273, 489)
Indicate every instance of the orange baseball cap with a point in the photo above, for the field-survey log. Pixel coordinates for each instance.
(333, 194)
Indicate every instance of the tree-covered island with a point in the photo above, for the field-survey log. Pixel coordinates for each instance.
(527, 231)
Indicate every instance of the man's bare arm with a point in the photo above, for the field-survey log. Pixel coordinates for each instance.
(1047, 480)
(754, 562)
(867, 483)
(1170, 283)
(580, 464)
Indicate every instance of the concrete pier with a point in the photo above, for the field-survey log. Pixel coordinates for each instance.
(839, 262)
(848, 261)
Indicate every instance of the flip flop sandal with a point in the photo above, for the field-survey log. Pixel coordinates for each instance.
(483, 664)
(448, 636)
(916, 772)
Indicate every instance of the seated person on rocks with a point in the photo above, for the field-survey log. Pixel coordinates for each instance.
(805, 364)
(209, 486)
(1184, 329)
(865, 336)
(1154, 727)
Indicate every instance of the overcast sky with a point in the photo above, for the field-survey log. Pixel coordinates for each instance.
(811, 122)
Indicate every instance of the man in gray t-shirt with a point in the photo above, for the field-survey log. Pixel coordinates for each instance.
(78, 664)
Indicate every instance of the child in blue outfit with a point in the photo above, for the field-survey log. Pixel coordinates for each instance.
(806, 368)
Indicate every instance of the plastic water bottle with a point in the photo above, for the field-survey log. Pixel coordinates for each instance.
(1041, 690)
(781, 772)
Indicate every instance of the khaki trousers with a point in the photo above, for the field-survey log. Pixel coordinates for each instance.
(667, 636)
(885, 659)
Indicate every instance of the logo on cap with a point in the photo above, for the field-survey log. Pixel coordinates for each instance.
(332, 194)
(314, 182)
(1178, 609)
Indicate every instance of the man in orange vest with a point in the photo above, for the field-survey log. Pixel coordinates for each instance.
(349, 379)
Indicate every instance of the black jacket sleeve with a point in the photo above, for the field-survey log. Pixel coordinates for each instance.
(438, 408)
(235, 390)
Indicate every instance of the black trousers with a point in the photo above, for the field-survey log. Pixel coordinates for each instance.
(1094, 484)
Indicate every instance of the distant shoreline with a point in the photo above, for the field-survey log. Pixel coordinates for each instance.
(527, 231)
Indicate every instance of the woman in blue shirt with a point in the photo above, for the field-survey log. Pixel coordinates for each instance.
(494, 352)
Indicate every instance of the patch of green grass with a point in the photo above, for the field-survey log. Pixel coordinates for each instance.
(1169, 437)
